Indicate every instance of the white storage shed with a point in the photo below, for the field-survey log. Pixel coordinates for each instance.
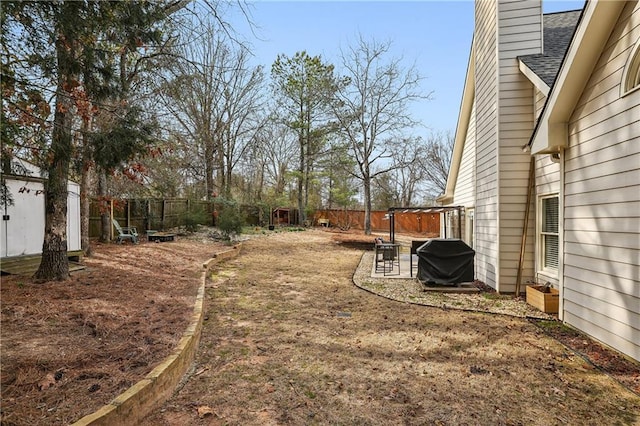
(22, 229)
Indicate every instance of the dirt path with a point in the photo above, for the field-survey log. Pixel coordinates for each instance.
(290, 340)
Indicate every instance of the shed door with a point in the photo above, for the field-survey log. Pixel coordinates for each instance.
(23, 222)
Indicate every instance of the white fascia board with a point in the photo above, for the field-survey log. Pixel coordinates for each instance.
(464, 116)
(533, 78)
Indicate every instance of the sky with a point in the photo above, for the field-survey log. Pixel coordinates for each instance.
(433, 36)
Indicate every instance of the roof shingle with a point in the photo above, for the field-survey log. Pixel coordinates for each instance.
(558, 29)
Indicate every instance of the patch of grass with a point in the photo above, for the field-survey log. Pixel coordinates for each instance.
(373, 285)
(491, 296)
(550, 326)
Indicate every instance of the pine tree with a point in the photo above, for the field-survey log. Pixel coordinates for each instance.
(75, 47)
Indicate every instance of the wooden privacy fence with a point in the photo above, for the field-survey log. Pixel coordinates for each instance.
(409, 221)
(156, 214)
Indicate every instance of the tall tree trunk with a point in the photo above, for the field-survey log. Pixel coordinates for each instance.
(330, 193)
(228, 176)
(55, 263)
(366, 182)
(307, 162)
(307, 180)
(220, 163)
(85, 182)
(301, 183)
(260, 184)
(280, 181)
(209, 166)
(105, 207)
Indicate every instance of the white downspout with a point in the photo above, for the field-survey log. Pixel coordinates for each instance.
(560, 158)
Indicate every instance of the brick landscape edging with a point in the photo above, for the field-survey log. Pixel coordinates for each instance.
(134, 404)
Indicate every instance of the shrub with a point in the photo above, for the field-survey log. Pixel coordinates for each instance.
(192, 219)
(230, 221)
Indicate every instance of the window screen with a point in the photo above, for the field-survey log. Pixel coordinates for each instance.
(549, 233)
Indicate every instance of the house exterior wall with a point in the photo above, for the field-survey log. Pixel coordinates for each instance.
(464, 194)
(520, 33)
(601, 274)
(547, 183)
(486, 80)
(504, 122)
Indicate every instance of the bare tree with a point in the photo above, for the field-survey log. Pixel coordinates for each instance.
(242, 115)
(436, 160)
(372, 109)
(215, 96)
(409, 173)
(193, 94)
(278, 148)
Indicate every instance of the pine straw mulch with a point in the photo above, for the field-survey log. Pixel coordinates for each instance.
(70, 347)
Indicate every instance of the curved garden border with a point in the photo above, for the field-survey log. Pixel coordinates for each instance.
(134, 404)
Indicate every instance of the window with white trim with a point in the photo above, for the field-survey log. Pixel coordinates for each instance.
(549, 237)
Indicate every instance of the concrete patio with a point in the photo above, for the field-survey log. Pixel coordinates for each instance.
(406, 267)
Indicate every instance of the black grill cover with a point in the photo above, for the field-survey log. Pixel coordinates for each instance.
(445, 261)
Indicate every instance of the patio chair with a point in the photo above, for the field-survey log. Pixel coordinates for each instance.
(387, 255)
(125, 233)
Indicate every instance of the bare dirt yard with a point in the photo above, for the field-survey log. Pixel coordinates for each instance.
(289, 339)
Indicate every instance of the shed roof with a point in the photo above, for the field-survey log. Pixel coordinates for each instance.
(558, 29)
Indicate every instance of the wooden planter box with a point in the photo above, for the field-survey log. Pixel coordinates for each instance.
(546, 302)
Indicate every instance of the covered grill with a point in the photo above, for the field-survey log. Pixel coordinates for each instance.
(445, 261)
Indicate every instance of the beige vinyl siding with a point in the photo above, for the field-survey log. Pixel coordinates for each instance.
(539, 102)
(547, 176)
(602, 200)
(486, 73)
(519, 34)
(547, 183)
(464, 194)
